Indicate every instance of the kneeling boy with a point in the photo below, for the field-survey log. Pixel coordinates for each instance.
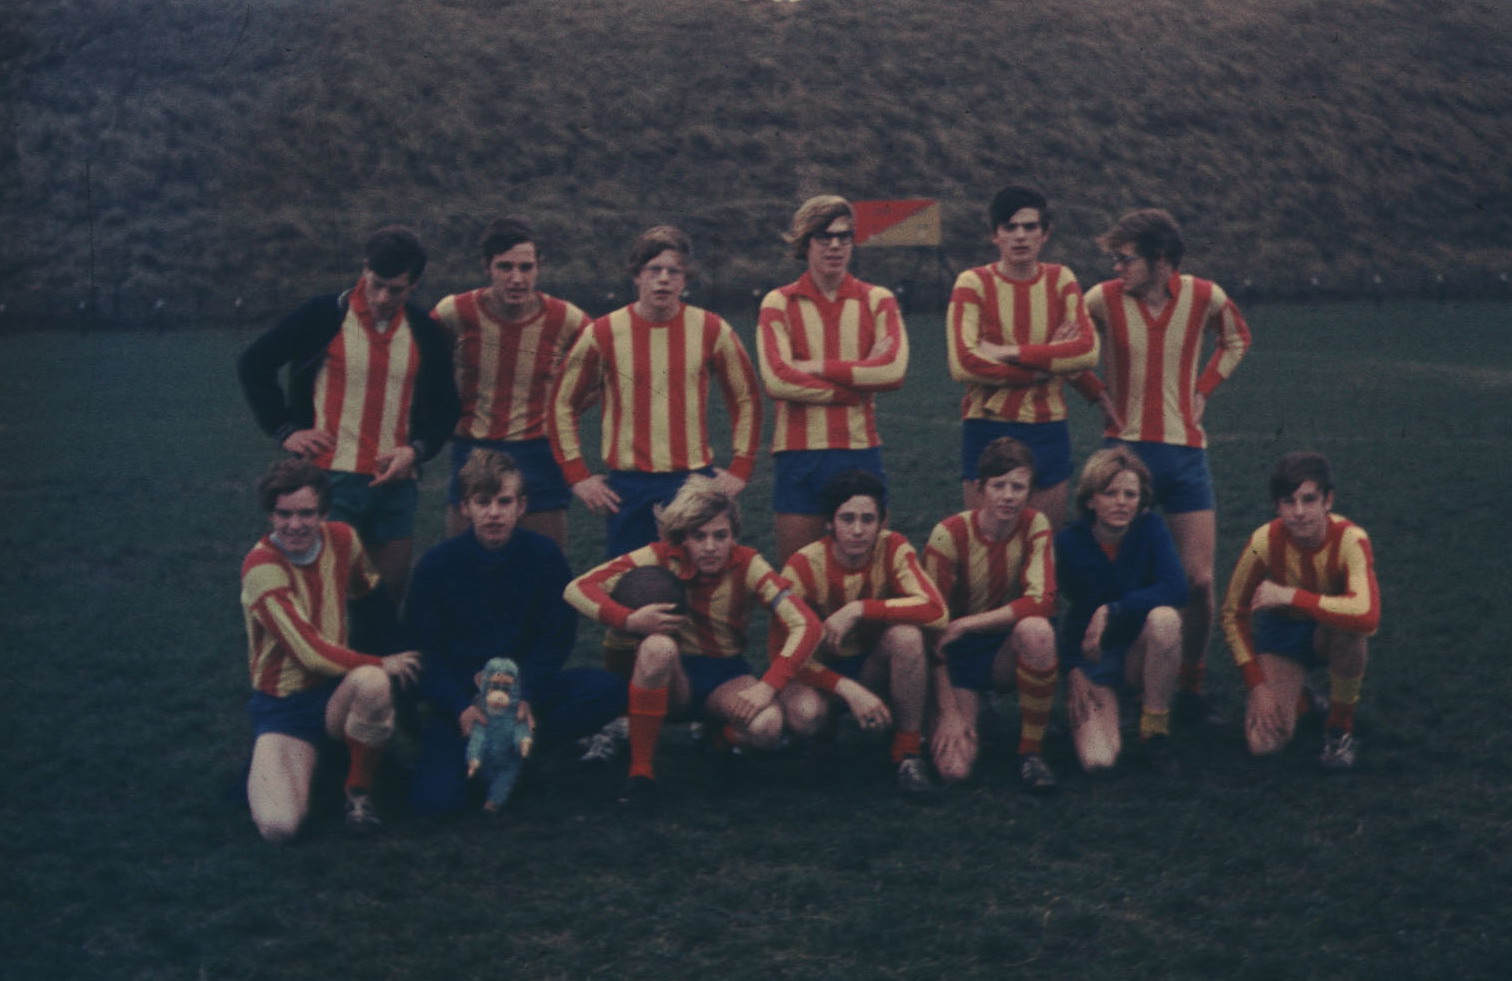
(996, 569)
(1303, 594)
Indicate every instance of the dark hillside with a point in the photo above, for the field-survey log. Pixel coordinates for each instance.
(206, 150)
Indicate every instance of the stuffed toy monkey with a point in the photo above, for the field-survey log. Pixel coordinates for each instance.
(497, 750)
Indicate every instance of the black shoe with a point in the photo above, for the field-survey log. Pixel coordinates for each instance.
(1193, 709)
(1162, 759)
(638, 798)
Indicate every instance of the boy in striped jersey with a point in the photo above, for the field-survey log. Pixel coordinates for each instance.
(370, 395)
(875, 599)
(828, 343)
(996, 569)
(308, 685)
(509, 342)
(692, 665)
(651, 363)
(1016, 328)
(1303, 594)
(1152, 321)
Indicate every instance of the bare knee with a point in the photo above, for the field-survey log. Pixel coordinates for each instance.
(805, 711)
(765, 731)
(370, 685)
(277, 827)
(1162, 629)
(654, 658)
(1034, 643)
(904, 645)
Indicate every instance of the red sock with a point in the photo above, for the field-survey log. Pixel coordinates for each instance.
(1191, 676)
(905, 744)
(363, 766)
(648, 709)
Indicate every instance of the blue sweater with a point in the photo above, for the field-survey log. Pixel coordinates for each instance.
(1145, 573)
(467, 604)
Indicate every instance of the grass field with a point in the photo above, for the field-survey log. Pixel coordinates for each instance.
(127, 509)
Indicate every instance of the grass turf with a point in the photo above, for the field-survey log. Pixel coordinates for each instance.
(126, 855)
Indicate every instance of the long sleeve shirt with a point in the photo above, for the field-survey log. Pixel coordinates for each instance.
(719, 607)
(976, 574)
(892, 588)
(467, 604)
(296, 615)
(371, 389)
(1335, 583)
(986, 306)
(1152, 362)
(861, 346)
(653, 379)
(1144, 573)
(506, 371)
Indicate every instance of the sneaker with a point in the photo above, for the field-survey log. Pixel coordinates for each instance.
(1035, 774)
(605, 746)
(913, 777)
(1193, 709)
(1340, 749)
(638, 798)
(1161, 758)
(361, 816)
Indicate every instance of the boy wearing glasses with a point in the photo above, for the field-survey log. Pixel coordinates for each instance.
(827, 344)
(1152, 321)
(1016, 329)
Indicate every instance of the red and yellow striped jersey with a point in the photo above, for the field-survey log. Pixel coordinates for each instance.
(976, 574)
(296, 616)
(364, 387)
(986, 306)
(1336, 585)
(893, 587)
(719, 608)
(506, 371)
(654, 382)
(1152, 361)
(859, 340)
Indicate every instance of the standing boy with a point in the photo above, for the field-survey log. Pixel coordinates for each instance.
(370, 395)
(1017, 328)
(509, 343)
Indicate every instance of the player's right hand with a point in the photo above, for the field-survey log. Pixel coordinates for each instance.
(403, 667)
(596, 493)
(309, 443)
(655, 618)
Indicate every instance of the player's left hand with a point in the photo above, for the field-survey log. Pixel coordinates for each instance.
(750, 701)
(396, 466)
(727, 483)
(525, 715)
(1091, 645)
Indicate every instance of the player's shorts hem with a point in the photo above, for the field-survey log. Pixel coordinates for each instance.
(1050, 442)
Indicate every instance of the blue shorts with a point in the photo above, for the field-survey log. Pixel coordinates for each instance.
(545, 487)
(969, 660)
(379, 514)
(1107, 670)
(301, 715)
(707, 673)
(1050, 442)
(634, 524)
(1180, 475)
(799, 476)
(850, 667)
(1295, 640)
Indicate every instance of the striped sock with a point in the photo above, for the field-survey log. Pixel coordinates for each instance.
(1343, 696)
(1154, 724)
(1036, 691)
